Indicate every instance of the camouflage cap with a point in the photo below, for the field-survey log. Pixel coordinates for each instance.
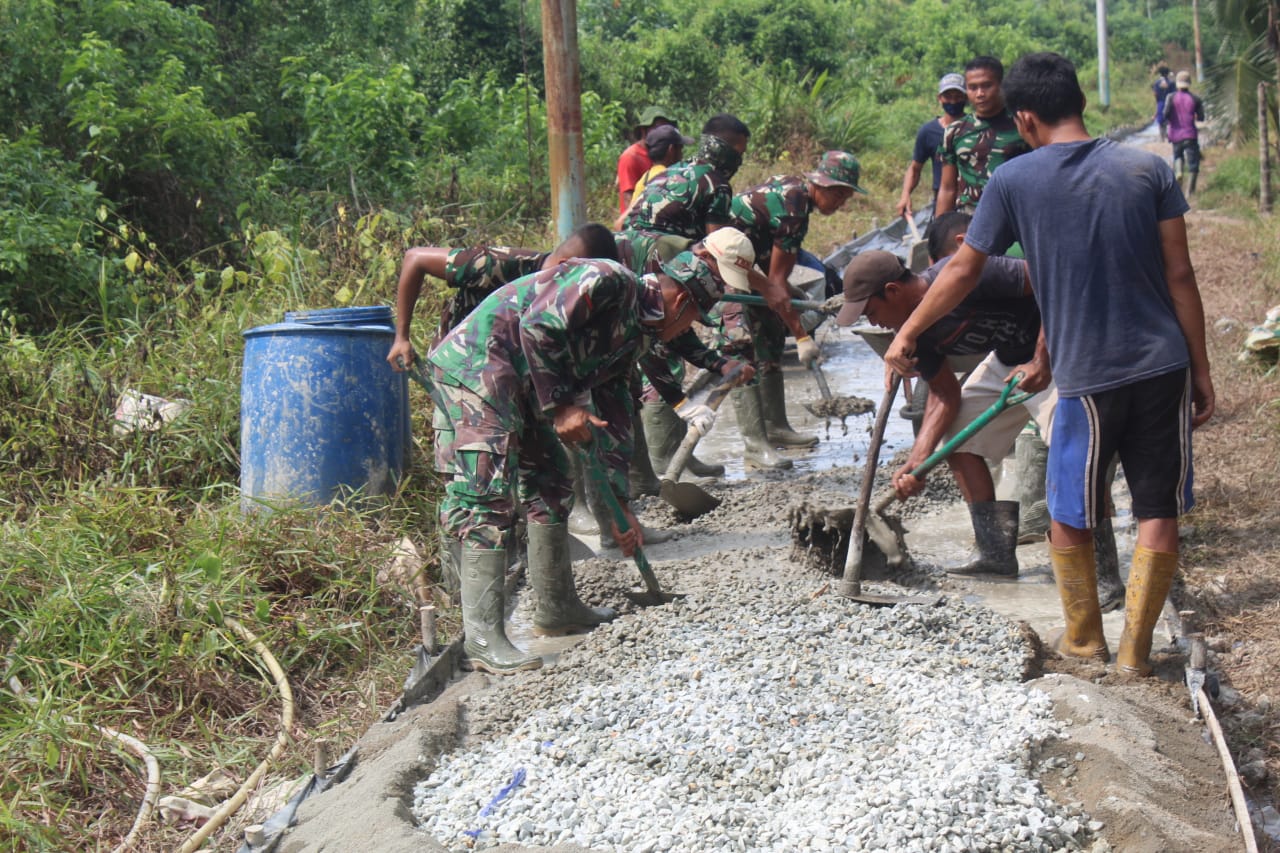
(837, 169)
(697, 277)
(651, 114)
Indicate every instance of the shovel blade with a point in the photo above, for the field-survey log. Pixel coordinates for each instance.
(646, 598)
(688, 499)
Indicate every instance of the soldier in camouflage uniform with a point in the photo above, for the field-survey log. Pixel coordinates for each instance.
(775, 217)
(973, 147)
(475, 273)
(690, 198)
(545, 360)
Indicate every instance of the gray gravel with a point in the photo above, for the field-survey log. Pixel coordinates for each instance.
(754, 716)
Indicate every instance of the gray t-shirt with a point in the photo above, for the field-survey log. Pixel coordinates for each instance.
(997, 316)
(1088, 217)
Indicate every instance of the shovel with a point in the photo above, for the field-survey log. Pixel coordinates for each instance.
(689, 499)
(851, 583)
(888, 535)
(918, 253)
(652, 594)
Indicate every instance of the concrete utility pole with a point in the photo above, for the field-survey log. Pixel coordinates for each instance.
(1195, 26)
(564, 114)
(1104, 60)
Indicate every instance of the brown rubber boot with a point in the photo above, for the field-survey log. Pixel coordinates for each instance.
(1150, 577)
(1076, 576)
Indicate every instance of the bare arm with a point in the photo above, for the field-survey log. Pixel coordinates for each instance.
(957, 279)
(777, 292)
(939, 412)
(419, 262)
(910, 180)
(1190, 312)
(948, 190)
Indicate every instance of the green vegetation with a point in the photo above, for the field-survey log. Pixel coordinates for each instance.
(172, 174)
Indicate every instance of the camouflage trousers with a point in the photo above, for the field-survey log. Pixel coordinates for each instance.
(751, 331)
(499, 460)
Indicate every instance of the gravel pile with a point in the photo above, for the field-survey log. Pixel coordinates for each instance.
(752, 717)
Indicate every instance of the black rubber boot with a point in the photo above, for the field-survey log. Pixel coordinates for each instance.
(759, 452)
(1110, 587)
(559, 611)
(666, 430)
(773, 403)
(995, 530)
(1031, 457)
(642, 479)
(483, 610)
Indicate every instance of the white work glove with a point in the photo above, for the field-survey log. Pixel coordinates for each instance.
(807, 350)
(697, 415)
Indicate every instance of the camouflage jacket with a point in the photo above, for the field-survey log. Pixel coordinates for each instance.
(476, 272)
(551, 337)
(775, 213)
(687, 346)
(976, 147)
(683, 200)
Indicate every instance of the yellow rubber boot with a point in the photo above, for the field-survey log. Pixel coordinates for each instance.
(1077, 578)
(1150, 577)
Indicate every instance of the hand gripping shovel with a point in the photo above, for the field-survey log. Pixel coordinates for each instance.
(689, 499)
(888, 536)
(652, 593)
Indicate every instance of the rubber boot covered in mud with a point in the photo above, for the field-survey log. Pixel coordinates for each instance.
(1075, 573)
(666, 430)
(640, 476)
(995, 532)
(581, 519)
(773, 401)
(1110, 587)
(1031, 457)
(559, 611)
(483, 609)
(1150, 577)
(759, 452)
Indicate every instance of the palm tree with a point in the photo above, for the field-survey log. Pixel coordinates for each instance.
(1248, 54)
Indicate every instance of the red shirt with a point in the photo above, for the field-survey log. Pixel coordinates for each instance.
(632, 163)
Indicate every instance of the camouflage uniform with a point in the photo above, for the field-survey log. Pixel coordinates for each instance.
(668, 385)
(477, 272)
(682, 201)
(571, 334)
(775, 213)
(976, 147)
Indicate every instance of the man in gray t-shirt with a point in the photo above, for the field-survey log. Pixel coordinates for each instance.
(1103, 230)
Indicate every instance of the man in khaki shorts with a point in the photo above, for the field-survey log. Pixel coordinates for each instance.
(1000, 318)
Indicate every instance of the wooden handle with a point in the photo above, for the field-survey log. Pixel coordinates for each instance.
(851, 583)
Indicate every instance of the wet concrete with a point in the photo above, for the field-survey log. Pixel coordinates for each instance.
(852, 370)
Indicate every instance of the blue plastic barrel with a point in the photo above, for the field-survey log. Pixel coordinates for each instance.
(322, 414)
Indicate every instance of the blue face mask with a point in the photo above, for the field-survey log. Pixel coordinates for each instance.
(954, 110)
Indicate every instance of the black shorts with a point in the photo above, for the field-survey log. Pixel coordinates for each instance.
(1148, 424)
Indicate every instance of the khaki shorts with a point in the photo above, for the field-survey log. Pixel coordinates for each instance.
(983, 387)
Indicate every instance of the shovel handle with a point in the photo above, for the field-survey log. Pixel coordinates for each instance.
(416, 374)
(1006, 400)
(851, 583)
(713, 398)
(753, 299)
(823, 388)
(601, 482)
(911, 224)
